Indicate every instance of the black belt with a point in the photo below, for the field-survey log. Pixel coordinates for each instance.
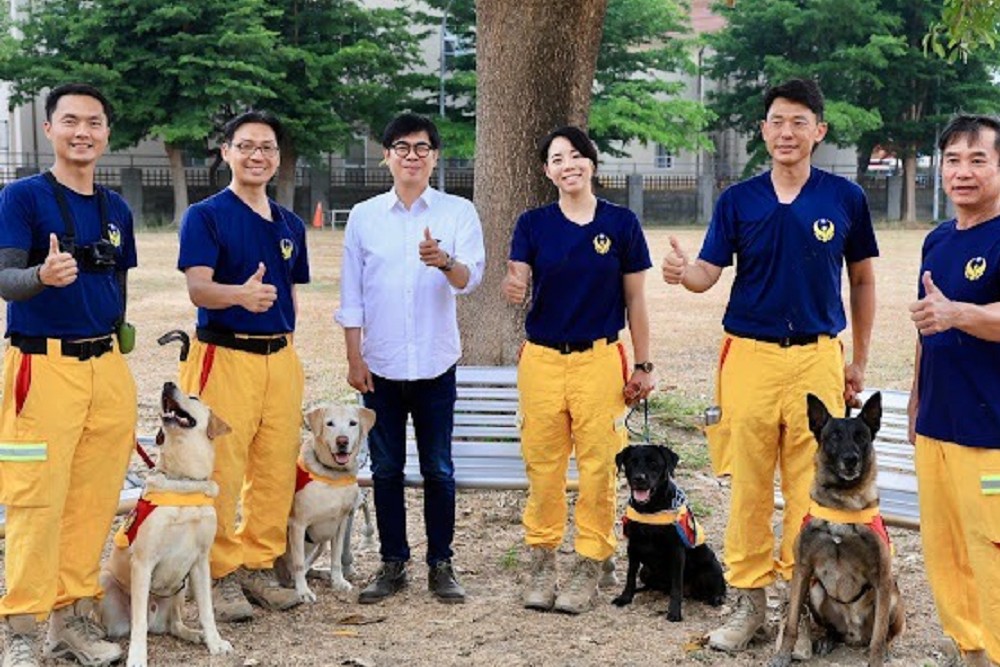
(79, 349)
(785, 341)
(570, 347)
(234, 342)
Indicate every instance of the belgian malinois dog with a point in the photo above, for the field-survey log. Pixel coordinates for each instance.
(843, 558)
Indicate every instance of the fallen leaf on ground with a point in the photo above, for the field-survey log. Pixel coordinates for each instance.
(359, 619)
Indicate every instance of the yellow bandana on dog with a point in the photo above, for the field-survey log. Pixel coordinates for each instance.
(303, 476)
(687, 526)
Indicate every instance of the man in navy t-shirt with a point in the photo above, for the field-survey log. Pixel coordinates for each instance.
(791, 230)
(67, 428)
(242, 255)
(955, 402)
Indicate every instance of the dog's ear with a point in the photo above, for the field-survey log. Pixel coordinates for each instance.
(817, 413)
(160, 437)
(621, 457)
(671, 458)
(314, 419)
(216, 427)
(367, 418)
(871, 412)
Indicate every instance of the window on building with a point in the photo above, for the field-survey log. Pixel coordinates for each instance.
(664, 158)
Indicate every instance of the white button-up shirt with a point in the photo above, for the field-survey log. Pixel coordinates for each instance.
(406, 309)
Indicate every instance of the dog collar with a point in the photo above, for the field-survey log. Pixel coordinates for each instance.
(681, 518)
(303, 476)
(869, 516)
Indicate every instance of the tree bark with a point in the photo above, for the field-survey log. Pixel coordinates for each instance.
(175, 154)
(285, 194)
(535, 62)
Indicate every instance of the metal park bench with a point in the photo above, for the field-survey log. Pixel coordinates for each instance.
(486, 441)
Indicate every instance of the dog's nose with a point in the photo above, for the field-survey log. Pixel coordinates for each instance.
(342, 440)
(851, 460)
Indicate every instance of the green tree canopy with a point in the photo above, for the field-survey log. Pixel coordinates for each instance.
(643, 41)
(964, 26)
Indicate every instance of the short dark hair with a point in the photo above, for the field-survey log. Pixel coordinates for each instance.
(803, 91)
(52, 100)
(575, 136)
(410, 123)
(969, 125)
(253, 116)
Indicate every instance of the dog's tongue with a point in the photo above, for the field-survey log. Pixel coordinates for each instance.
(640, 495)
(342, 459)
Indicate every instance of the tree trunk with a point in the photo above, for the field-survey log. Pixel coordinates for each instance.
(286, 177)
(910, 185)
(175, 154)
(535, 62)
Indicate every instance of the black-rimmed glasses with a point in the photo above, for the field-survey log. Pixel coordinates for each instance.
(420, 149)
(247, 149)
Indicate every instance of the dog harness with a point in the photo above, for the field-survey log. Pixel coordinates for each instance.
(149, 502)
(680, 515)
(304, 476)
(868, 517)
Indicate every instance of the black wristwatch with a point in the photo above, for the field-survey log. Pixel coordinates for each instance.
(449, 265)
(646, 366)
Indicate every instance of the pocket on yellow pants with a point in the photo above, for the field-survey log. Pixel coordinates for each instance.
(989, 487)
(24, 474)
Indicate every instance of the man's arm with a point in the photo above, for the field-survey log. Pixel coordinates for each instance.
(358, 374)
(936, 313)
(911, 406)
(254, 295)
(677, 270)
(861, 276)
(18, 281)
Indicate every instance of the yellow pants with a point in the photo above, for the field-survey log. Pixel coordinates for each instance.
(763, 390)
(572, 402)
(717, 435)
(67, 430)
(960, 532)
(260, 397)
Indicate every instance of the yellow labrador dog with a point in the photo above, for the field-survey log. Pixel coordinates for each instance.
(165, 541)
(326, 494)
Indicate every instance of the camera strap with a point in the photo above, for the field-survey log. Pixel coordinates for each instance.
(67, 214)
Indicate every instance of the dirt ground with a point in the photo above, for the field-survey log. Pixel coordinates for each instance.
(492, 628)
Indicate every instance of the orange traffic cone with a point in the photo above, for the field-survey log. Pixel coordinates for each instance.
(318, 216)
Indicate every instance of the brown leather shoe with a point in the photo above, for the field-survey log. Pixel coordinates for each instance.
(442, 583)
(390, 579)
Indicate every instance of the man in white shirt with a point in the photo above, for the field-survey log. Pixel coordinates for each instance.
(407, 254)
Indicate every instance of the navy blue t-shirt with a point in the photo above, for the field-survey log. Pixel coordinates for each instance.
(960, 374)
(91, 305)
(577, 293)
(225, 234)
(789, 257)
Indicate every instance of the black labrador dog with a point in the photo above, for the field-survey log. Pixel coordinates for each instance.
(663, 537)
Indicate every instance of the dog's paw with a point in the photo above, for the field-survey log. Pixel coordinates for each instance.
(780, 660)
(306, 595)
(717, 601)
(220, 647)
(622, 600)
(674, 616)
(824, 645)
(341, 585)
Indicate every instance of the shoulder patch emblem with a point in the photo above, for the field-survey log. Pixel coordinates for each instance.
(602, 244)
(824, 229)
(114, 235)
(287, 248)
(975, 268)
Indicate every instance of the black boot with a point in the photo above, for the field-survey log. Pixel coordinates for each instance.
(390, 579)
(442, 583)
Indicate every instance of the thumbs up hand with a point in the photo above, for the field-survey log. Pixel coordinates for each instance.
(258, 296)
(431, 253)
(935, 312)
(59, 268)
(675, 263)
(515, 284)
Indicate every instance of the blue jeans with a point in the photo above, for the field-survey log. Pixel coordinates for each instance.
(432, 406)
